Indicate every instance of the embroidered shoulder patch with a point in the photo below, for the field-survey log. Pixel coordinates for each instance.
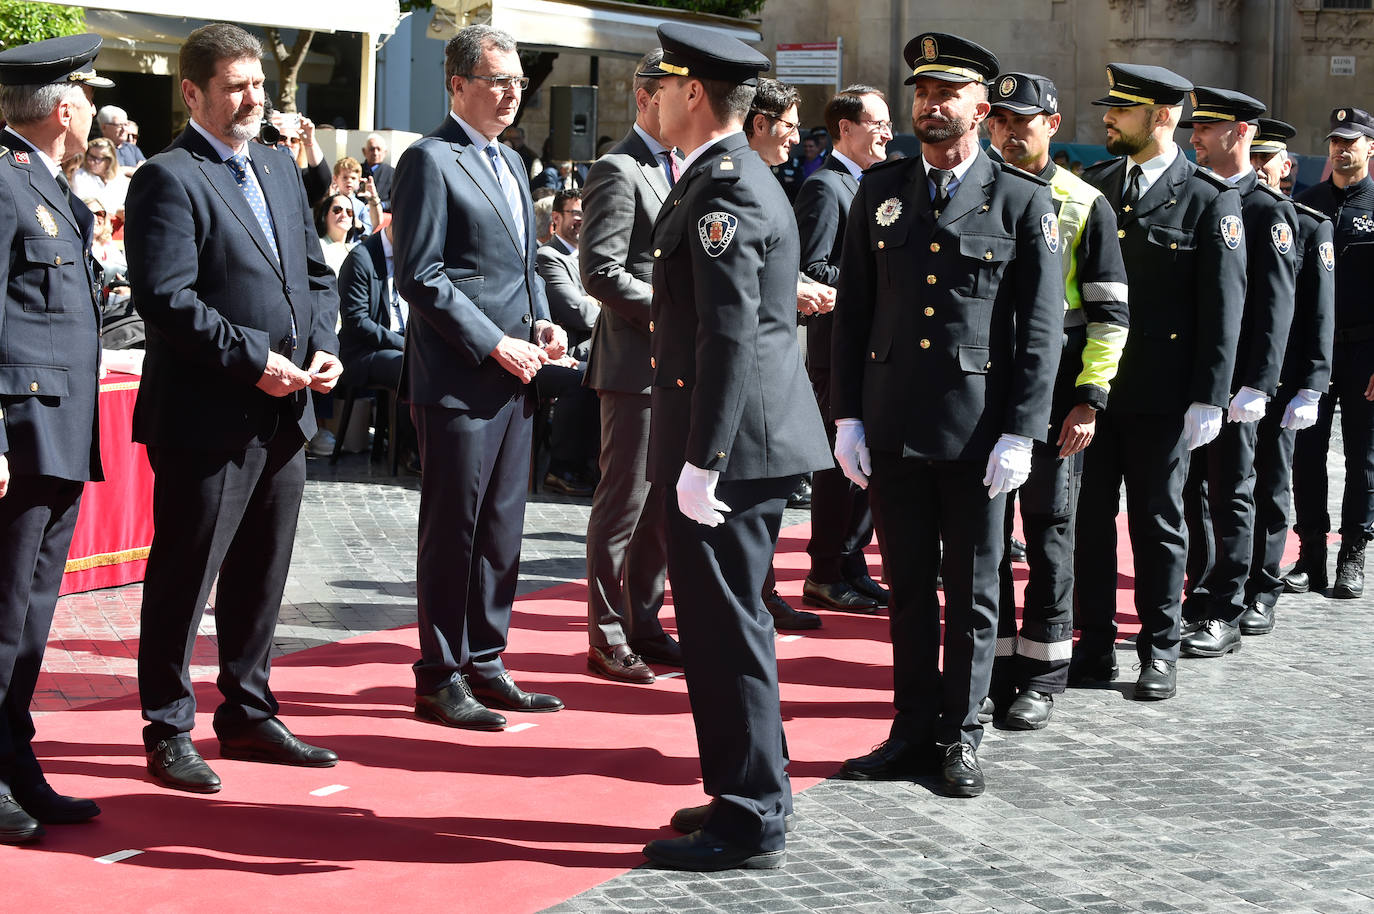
(1283, 237)
(1050, 226)
(1327, 254)
(717, 230)
(1231, 231)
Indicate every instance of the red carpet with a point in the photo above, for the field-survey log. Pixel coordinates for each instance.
(518, 820)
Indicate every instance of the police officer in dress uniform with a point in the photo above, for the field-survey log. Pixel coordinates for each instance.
(947, 335)
(1306, 372)
(1183, 243)
(49, 360)
(1219, 496)
(733, 426)
(1347, 197)
(1032, 665)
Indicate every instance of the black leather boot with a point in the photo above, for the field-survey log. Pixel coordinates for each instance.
(1309, 572)
(1349, 570)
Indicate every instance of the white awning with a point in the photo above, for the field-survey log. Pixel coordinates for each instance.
(591, 26)
(374, 16)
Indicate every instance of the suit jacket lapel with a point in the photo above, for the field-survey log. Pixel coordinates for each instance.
(473, 160)
(43, 184)
(972, 191)
(650, 166)
(275, 187)
(1164, 192)
(221, 180)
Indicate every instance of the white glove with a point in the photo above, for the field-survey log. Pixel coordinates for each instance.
(1201, 424)
(696, 495)
(1302, 410)
(1247, 405)
(851, 450)
(1009, 464)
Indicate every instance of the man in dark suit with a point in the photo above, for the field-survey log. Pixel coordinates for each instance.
(49, 359)
(376, 168)
(240, 307)
(626, 553)
(372, 314)
(573, 435)
(1183, 242)
(732, 430)
(1219, 496)
(946, 340)
(479, 332)
(841, 523)
(1306, 372)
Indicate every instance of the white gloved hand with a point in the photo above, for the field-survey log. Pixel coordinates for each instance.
(696, 495)
(851, 450)
(1247, 405)
(1301, 412)
(1009, 464)
(1201, 424)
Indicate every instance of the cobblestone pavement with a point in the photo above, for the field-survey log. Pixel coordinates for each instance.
(1252, 791)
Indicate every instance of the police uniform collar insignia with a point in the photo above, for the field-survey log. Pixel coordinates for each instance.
(889, 211)
(1050, 226)
(717, 230)
(1327, 253)
(1283, 237)
(1231, 231)
(22, 158)
(46, 220)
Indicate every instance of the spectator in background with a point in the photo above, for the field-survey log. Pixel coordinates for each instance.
(566, 177)
(514, 137)
(361, 193)
(376, 170)
(71, 163)
(543, 214)
(108, 252)
(336, 224)
(298, 138)
(812, 154)
(131, 133)
(99, 176)
(114, 122)
(1061, 158)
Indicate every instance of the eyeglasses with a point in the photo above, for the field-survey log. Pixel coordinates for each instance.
(336, 209)
(100, 214)
(95, 158)
(880, 126)
(518, 83)
(777, 120)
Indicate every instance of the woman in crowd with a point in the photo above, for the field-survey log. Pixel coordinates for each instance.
(99, 177)
(104, 248)
(334, 221)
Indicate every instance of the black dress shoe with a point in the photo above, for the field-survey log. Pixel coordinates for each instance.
(870, 588)
(1158, 681)
(1214, 639)
(622, 667)
(1089, 668)
(692, 818)
(896, 759)
(16, 825)
(454, 706)
(503, 693)
(1309, 572)
(662, 649)
(1257, 619)
(567, 484)
(1030, 710)
(702, 852)
(269, 741)
(960, 775)
(51, 808)
(801, 496)
(177, 763)
(1016, 549)
(839, 596)
(787, 619)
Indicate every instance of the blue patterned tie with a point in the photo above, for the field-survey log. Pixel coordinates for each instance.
(507, 182)
(239, 166)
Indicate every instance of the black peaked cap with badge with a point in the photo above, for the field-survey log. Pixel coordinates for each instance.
(1272, 136)
(1349, 123)
(54, 60)
(1025, 93)
(1130, 85)
(690, 50)
(1221, 106)
(948, 57)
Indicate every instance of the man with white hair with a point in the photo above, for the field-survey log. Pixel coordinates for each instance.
(114, 124)
(376, 168)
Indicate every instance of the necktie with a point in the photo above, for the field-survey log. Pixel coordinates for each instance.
(1131, 193)
(670, 167)
(238, 164)
(513, 201)
(66, 189)
(398, 309)
(941, 177)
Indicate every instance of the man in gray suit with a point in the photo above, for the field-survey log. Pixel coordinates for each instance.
(626, 554)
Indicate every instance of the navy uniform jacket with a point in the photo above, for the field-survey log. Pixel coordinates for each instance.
(1271, 257)
(216, 300)
(470, 285)
(49, 324)
(1183, 243)
(821, 207)
(729, 390)
(948, 333)
(1351, 210)
(1307, 361)
(364, 307)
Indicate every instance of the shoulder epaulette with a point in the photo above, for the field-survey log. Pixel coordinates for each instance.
(1102, 165)
(1314, 213)
(725, 169)
(1021, 173)
(1276, 194)
(889, 163)
(4, 151)
(1212, 179)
